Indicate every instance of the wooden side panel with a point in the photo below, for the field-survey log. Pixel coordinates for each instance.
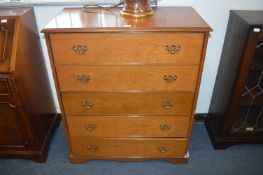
(32, 80)
(235, 41)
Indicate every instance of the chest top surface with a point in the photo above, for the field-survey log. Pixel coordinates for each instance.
(164, 19)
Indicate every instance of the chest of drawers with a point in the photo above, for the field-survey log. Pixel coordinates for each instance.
(127, 87)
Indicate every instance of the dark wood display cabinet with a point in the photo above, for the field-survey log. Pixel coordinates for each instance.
(236, 110)
(27, 112)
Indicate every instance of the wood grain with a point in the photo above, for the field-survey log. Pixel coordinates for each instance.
(133, 126)
(4, 86)
(180, 19)
(127, 103)
(7, 43)
(127, 78)
(125, 61)
(28, 116)
(12, 131)
(127, 48)
(127, 147)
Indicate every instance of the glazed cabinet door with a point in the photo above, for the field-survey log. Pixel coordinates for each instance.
(249, 117)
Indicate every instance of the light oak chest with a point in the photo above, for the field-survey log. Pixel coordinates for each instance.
(127, 87)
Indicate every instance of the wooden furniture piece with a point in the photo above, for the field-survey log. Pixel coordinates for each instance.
(235, 114)
(27, 112)
(127, 87)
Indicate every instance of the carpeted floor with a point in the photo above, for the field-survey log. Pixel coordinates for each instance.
(204, 160)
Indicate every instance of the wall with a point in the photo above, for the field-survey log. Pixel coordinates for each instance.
(214, 12)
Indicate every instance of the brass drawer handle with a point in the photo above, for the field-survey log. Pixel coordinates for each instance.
(169, 78)
(167, 104)
(173, 49)
(90, 127)
(79, 49)
(88, 104)
(92, 148)
(163, 149)
(165, 127)
(83, 78)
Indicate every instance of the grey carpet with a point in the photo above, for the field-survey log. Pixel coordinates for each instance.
(204, 160)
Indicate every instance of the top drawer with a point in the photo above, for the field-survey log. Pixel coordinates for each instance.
(127, 48)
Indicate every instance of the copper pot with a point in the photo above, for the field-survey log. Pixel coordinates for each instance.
(136, 8)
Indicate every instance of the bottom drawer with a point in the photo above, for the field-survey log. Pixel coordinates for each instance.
(129, 148)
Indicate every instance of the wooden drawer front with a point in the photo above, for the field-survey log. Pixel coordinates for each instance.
(128, 103)
(127, 48)
(125, 78)
(119, 126)
(167, 148)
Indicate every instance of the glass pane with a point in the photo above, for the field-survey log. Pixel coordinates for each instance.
(250, 111)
